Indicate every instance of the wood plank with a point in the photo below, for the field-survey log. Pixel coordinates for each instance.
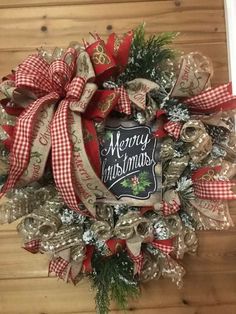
(36, 26)
(28, 3)
(39, 3)
(215, 309)
(216, 51)
(16, 262)
(218, 309)
(216, 253)
(47, 295)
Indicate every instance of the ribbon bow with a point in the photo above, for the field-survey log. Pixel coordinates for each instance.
(61, 91)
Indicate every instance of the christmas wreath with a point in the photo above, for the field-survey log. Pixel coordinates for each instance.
(113, 155)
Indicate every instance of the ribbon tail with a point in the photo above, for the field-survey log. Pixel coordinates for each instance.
(135, 253)
(26, 131)
(62, 157)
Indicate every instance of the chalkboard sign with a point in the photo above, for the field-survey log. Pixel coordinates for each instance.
(128, 161)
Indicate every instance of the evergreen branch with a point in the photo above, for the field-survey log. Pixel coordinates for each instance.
(113, 279)
(148, 57)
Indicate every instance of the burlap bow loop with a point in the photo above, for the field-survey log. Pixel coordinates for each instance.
(199, 141)
(40, 224)
(133, 225)
(192, 130)
(68, 251)
(195, 71)
(102, 230)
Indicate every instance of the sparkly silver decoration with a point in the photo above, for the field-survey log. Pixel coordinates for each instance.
(69, 217)
(88, 237)
(161, 230)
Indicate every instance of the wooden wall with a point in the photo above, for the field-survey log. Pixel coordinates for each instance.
(210, 283)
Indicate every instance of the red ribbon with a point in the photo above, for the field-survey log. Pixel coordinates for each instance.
(59, 267)
(213, 100)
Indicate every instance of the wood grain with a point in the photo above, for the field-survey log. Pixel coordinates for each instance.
(59, 25)
(47, 295)
(26, 3)
(210, 283)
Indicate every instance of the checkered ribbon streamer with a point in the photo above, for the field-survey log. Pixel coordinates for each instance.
(63, 172)
(32, 246)
(20, 152)
(59, 267)
(216, 99)
(124, 103)
(170, 209)
(138, 261)
(173, 128)
(166, 246)
(214, 190)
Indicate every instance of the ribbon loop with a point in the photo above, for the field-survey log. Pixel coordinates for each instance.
(75, 88)
(33, 74)
(60, 74)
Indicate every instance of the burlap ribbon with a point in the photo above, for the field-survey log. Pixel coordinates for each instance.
(194, 75)
(43, 231)
(199, 142)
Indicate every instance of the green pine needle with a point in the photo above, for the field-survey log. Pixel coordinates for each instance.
(148, 57)
(113, 280)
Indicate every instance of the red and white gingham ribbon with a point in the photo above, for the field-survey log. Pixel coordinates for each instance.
(214, 190)
(32, 246)
(20, 152)
(170, 209)
(215, 99)
(124, 103)
(59, 266)
(138, 261)
(173, 128)
(166, 246)
(206, 185)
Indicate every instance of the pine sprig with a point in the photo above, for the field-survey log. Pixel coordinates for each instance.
(148, 57)
(113, 279)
